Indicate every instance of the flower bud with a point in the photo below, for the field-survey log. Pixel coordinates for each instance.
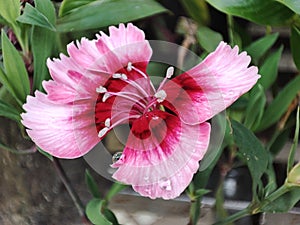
(294, 175)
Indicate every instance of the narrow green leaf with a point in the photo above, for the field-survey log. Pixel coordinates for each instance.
(255, 107)
(114, 189)
(200, 192)
(9, 111)
(267, 12)
(9, 87)
(259, 47)
(208, 38)
(250, 151)
(102, 13)
(110, 216)
(16, 74)
(33, 16)
(92, 185)
(295, 47)
(280, 140)
(280, 104)
(292, 4)
(269, 69)
(284, 203)
(291, 158)
(3, 21)
(69, 5)
(45, 153)
(197, 9)
(215, 147)
(10, 11)
(94, 212)
(44, 44)
(271, 178)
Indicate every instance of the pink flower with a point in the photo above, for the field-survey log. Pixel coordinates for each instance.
(103, 84)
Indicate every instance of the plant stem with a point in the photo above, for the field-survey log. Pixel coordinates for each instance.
(272, 197)
(234, 217)
(230, 29)
(195, 211)
(77, 202)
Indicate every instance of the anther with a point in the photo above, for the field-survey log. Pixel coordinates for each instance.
(129, 66)
(117, 75)
(160, 95)
(102, 132)
(101, 89)
(107, 122)
(124, 77)
(105, 97)
(170, 72)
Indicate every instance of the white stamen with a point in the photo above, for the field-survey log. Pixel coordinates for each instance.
(129, 66)
(170, 72)
(101, 89)
(117, 75)
(124, 77)
(107, 122)
(102, 132)
(105, 97)
(161, 96)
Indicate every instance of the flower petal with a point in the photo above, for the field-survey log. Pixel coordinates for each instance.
(128, 44)
(212, 85)
(64, 131)
(160, 158)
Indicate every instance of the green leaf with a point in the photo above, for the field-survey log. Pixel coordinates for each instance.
(269, 69)
(292, 4)
(9, 111)
(44, 44)
(9, 87)
(250, 151)
(208, 38)
(295, 47)
(280, 104)
(255, 107)
(10, 11)
(114, 189)
(102, 13)
(110, 216)
(291, 158)
(33, 16)
(69, 5)
(92, 185)
(280, 140)
(197, 9)
(284, 203)
(259, 47)
(215, 147)
(267, 12)
(45, 153)
(16, 77)
(94, 212)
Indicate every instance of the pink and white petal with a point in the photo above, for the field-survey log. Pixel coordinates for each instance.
(62, 130)
(212, 85)
(160, 158)
(128, 44)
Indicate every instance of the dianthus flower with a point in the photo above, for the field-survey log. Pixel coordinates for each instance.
(103, 83)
